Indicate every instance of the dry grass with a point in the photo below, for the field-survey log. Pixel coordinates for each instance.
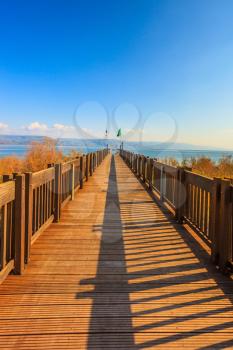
(37, 158)
(207, 167)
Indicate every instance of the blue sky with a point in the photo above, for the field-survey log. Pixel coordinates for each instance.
(162, 68)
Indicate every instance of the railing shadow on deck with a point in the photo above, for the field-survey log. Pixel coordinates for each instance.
(106, 330)
(155, 306)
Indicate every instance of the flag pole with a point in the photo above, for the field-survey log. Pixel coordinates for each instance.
(106, 138)
(119, 134)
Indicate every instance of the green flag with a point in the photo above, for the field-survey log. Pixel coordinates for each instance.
(119, 133)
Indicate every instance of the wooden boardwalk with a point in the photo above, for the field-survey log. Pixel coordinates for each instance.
(116, 273)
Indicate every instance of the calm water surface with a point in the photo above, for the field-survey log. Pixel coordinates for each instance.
(21, 150)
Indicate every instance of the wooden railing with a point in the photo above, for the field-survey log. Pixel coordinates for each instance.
(30, 202)
(7, 203)
(203, 203)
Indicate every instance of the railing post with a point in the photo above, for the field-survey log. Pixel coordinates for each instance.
(180, 196)
(81, 172)
(147, 170)
(19, 223)
(162, 184)
(150, 172)
(6, 178)
(144, 161)
(28, 214)
(215, 219)
(94, 161)
(137, 164)
(177, 193)
(58, 189)
(91, 164)
(72, 181)
(142, 166)
(225, 237)
(87, 167)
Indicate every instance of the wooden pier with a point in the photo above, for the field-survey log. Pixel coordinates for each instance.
(116, 271)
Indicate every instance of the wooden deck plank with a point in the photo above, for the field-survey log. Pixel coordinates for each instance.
(116, 273)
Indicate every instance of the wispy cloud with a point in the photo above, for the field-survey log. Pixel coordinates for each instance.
(3, 126)
(57, 130)
(36, 126)
(63, 127)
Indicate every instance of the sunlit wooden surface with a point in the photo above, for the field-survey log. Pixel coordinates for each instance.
(116, 273)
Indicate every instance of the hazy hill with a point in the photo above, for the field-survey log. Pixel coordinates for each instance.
(26, 140)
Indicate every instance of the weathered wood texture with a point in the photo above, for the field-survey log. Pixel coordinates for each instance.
(116, 272)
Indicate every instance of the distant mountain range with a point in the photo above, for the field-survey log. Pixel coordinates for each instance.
(26, 140)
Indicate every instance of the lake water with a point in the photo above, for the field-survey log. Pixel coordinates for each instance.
(21, 150)
(180, 155)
